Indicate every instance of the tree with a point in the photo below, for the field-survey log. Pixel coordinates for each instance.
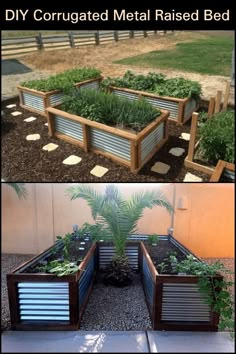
(119, 216)
(19, 188)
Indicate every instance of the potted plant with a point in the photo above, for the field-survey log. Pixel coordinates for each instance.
(128, 132)
(37, 95)
(119, 217)
(178, 95)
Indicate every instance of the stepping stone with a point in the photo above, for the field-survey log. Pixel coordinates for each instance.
(99, 171)
(30, 119)
(189, 177)
(46, 124)
(11, 106)
(160, 167)
(33, 137)
(16, 113)
(50, 147)
(185, 136)
(177, 151)
(72, 160)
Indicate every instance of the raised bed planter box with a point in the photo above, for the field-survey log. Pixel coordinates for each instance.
(180, 109)
(223, 170)
(174, 301)
(48, 302)
(38, 101)
(127, 148)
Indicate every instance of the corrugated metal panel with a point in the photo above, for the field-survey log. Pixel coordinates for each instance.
(55, 98)
(111, 143)
(151, 140)
(156, 102)
(85, 281)
(148, 283)
(190, 107)
(107, 252)
(90, 85)
(32, 101)
(183, 302)
(229, 174)
(43, 301)
(68, 127)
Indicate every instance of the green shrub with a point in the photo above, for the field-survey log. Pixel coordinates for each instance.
(217, 137)
(109, 109)
(62, 81)
(156, 83)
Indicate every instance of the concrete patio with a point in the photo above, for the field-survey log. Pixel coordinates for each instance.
(116, 342)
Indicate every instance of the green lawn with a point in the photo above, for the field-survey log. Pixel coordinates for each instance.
(210, 56)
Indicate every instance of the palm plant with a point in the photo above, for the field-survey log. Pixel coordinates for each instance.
(118, 216)
(19, 188)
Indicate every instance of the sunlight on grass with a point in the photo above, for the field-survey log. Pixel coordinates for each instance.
(205, 56)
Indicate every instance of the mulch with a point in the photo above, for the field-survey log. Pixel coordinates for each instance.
(25, 161)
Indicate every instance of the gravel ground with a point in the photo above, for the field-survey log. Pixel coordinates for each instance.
(8, 263)
(117, 309)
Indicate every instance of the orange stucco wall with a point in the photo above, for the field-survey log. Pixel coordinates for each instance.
(203, 220)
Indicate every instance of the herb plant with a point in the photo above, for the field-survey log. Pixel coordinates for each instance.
(153, 239)
(66, 243)
(156, 83)
(109, 109)
(63, 81)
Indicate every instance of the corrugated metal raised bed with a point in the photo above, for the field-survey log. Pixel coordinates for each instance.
(38, 101)
(180, 109)
(47, 302)
(174, 301)
(127, 148)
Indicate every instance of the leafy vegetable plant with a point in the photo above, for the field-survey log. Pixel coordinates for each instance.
(153, 239)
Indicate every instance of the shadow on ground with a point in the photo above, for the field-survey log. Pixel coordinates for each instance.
(13, 67)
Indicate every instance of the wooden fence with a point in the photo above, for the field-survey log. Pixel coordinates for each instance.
(23, 45)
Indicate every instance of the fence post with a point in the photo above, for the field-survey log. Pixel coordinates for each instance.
(218, 101)
(192, 136)
(131, 34)
(71, 39)
(145, 33)
(211, 107)
(39, 41)
(226, 97)
(116, 37)
(96, 35)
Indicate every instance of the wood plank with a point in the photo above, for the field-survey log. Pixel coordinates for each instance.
(198, 167)
(180, 117)
(218, 101)
(51, 125)
(193, 132)
(180, 326)
(87, 258)
(73, 303)
(78, 84)
(151, 266)
(226, 96)
(211, 107)
(133, 156)
(35, 92)
(146, 131)
(85, 137)
(158, 303)
(216, 175)
(13, 300)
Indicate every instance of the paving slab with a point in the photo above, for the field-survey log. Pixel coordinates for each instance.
(190, 342)
(176, 151)
(11, 106)
(99, 171)
(33, 137)
(50, 147)
(185, 136)
(16, 113)
(74, 342)
(46, 124)
(72, 160)
(189, 177)
(160, 167)
(30, 119)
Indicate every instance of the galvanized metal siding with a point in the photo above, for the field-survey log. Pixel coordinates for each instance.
(86, 280)
(33, 101)
(55, 98)
(111, 143)
(148, 283)
(43, 301)
(183, 302)
(229, 174)
(151, 140)
(90, 85)
(190, 107)
(107, 252)
(68, 127)
(161, 103)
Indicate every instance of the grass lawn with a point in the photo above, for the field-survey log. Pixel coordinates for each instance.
(211, 56)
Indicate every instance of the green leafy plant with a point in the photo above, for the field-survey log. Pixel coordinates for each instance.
(65, 268)
(215, 290)
(66, 243)
(96, 231)
(118, 215)
(153, 239)
(19, 188)
(217, 137)
(109, 109)
(63, 81)
(156, 83)
(162, 267)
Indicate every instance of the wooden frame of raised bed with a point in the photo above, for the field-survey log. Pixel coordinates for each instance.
(174, 301)
(222, 169)
(180, 109)
(37, 101)
(126, 148)
(46, 301)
